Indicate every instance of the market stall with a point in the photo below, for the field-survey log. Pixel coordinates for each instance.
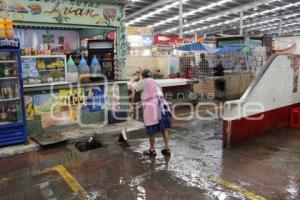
(73, 55)
(225, 72)
(177, 89)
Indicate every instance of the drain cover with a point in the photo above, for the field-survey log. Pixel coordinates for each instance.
(87, 145)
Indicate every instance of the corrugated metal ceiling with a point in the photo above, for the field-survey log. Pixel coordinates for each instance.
(208, 17)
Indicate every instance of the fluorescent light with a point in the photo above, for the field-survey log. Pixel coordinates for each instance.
(189, 13)
(245, 17)
(158, 11)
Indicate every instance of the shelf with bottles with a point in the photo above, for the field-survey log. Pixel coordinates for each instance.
(9, 90)
(44, 70)
(8, 57)
(8, 71)
(10, 112)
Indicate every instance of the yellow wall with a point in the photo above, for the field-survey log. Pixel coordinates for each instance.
(133, 63)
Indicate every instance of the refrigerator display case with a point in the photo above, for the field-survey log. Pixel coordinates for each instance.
(104, 52)
(44, 70)
(12, 111)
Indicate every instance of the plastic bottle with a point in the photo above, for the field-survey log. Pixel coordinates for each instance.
(2, 29)
(83, 71)
(18, 111)
(9, 29)
(14, 113)
(96, 70)
(3, 114)
(72, 71)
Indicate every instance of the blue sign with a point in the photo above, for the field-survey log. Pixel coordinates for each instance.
(10, 43)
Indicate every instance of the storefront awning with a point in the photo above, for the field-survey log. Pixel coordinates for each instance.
(204, 47)
(197, 47)
(230, 48)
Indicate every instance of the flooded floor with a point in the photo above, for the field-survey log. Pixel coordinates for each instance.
(199, 168)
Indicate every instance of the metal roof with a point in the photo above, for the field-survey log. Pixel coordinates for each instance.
(218, 16)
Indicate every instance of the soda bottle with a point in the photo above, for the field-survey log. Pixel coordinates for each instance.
(3, 114)
(14, 113)
(18, 112)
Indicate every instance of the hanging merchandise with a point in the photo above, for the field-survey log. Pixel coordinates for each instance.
(2, 28)
(83, 71)
(96, 70)
(72, 71)
(9, 29)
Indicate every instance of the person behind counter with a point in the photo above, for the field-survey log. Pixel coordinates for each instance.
(219, 70)
(203, 65)
(156, 112)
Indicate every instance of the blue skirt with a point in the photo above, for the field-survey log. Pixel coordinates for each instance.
(164, 123)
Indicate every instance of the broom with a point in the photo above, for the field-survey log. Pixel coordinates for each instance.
(123, 136)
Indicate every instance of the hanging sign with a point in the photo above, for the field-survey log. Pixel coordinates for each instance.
(166, 39)
(135, 30)
(48, 38)
(61, 12)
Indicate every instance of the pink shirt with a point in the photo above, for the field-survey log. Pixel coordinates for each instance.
(150, 91)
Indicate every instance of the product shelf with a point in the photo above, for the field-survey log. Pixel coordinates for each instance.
(50, 70)
(8, 61)
(12, 99)
(8, 78)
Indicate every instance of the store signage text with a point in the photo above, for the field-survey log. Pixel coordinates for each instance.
(75, 11)
(79, 3)
(9, 43)
(61, 11)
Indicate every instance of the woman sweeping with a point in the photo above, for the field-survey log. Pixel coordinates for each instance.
(156, 112)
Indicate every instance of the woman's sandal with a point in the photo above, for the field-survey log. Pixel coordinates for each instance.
(166, 152)
(149, 153)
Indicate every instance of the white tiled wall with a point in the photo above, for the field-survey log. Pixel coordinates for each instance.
(274, 90)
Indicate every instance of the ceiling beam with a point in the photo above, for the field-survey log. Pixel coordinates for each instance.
(151, 6)
(226, 12)
(258, 27)
(255, 28)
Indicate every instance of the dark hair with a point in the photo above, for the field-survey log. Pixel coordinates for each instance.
(202, 55)
(146, 73)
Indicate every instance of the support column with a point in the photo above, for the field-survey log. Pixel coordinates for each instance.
(121, 45)
(280, 27)
(180, 19)
(241, 22)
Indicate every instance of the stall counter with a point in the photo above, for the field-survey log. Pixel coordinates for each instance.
(176, 89)
(51, 109)
(173, 82)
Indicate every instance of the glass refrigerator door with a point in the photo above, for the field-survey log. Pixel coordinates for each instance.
(107, 61)
(10, 101)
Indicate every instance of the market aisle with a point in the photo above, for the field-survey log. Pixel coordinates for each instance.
(198, 169)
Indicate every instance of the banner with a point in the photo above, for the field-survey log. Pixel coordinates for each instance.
(61, 12)
(135, 30)
(166, 39)
(163, 39)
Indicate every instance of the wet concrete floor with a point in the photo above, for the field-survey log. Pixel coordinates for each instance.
(199, 168)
